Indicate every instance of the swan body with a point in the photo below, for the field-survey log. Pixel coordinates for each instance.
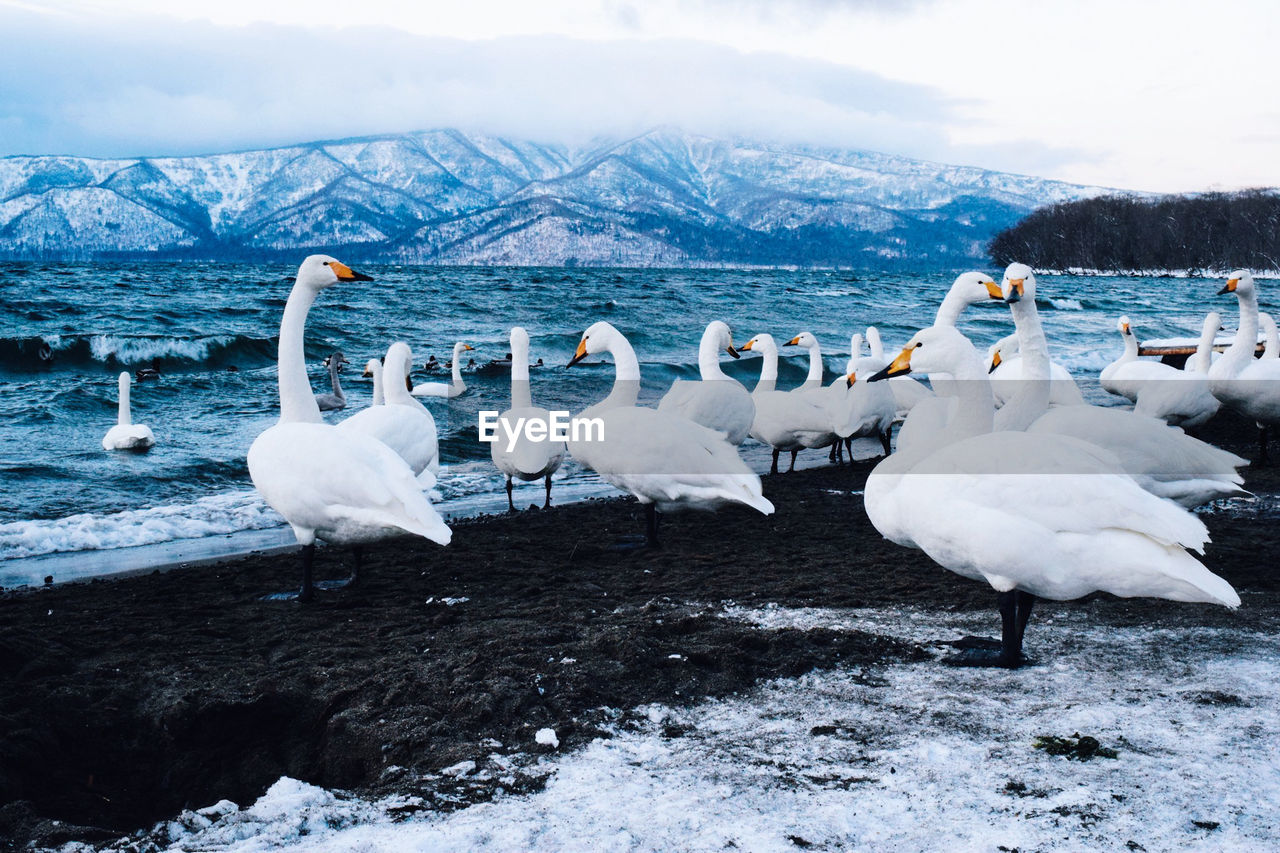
(329, 483)
(1032, 515)
(126, 435)
(664, 460)
(1271, 334)
(401, 423)
(717, 401)
(447, 390)
(1161, 458)
(335, 400)
(1128, 374)
(784, 420)
(524, 459)
(1182, 397)
(1249, 385)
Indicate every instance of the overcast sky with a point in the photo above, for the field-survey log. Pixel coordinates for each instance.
(1167, 96)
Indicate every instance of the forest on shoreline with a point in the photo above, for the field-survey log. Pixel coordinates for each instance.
(1212, 231)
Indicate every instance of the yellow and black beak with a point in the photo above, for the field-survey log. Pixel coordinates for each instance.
(900, 366)
(1016, 290)
(792, 342)
(733, 352)
(850, 379)
(1230, 286)
(996, 360)
(346, 273)
(579, 354)
(1124, 328)
(747, 346)
(367, 374)
(993, 290)
(467, 347)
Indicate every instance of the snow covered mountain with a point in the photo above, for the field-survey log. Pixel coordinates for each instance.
(664, 198)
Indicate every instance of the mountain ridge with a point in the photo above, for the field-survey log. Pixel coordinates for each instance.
(662, 198)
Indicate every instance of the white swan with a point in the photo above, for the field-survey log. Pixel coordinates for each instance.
(402, 423)
(861, 408)
(829, 397)
(1271, 334)
(1162, 459)
(126, 435)
(1204, 356)
(717, 401)
(813, 380)
(1249, 385)
(373, 370)
(1034, 516)
(335, 400)
(908, 392)
(1127, 375)
(1177, 397)
(1005, 363)
(524, 458)
(447, 390)
(666, 461)
(327, 482)
(783, 420)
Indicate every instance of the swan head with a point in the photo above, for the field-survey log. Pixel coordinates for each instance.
(721, 338)
(855, 344)
(337, 359)
(399, 357)
(976, 287)
(596, 339)
(804, 339)
(1001, 351)
(759, 343)
(320, 271)
(519, 338)
(372, 367)
(124, 382)
(1123, 326)
(1019, 282)
(459, 348)
(936, 349)
(1239, 282)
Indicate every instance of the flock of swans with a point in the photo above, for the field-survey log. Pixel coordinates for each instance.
(1002, 473)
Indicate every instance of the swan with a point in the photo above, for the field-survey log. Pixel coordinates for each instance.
(1177, 397)
(336, 400)
(1271, 334)
(1005, 365)
(812, 381)
(1035, 516)
(861, 408)
(717, 401)
(528, 460)
(1204, 356)
(327, 482)
(1162, 459)
(126, 435)
(907, 390)
(830, 398)
(1250, 386)
(401, 423)
(373, 370)
(783, 420)
(446, 390)
(666, 461)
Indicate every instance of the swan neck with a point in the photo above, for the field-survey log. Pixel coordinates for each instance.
(1031, 400)
(521, 396)
(379, 397)
(1246, 340)
(1130, 348)
(297, 402)
(124, 416)
(457, 365)
(709, 356)
(768, 369)
(1204, 349)
(626, 375)
(394, 370)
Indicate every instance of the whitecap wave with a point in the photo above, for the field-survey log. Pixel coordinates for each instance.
(1066, 304)
(129, 350)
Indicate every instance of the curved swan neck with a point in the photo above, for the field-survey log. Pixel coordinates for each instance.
(457, 363)
(123, 416)
(375, 369)
(1130, 346)
(873, 341)
(1245, 343)
(521, 396)
(1204, 349)
(768, 367)
(334, 367)
(1272, 349)
(297, 402)
(394, 370)
(709, 355)
(626, 374)
(814, 378)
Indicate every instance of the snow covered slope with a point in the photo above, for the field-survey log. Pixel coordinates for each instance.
(444, 196)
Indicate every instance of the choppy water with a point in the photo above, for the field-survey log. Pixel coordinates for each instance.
(210, 328)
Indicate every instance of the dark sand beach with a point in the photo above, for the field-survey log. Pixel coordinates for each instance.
(124, 701)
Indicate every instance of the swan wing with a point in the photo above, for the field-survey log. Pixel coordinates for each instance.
(721, 405)
(408, 430)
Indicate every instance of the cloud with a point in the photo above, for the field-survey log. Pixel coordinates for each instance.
(149, 87)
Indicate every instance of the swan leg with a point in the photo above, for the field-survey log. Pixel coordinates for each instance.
(1263, 437)
(773, 469)
(651, 526)
(885, 439)
(511, 506)
(793, 461)
(547, 503)
(1015, 609)
(848, 449)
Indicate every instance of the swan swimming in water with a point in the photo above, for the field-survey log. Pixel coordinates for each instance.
(329, 483)
(666, 461)
(1035, 516)
(451, 389)
(401, 423)
(335, 400)
(528, 460)
(716, 400)
(126, 435)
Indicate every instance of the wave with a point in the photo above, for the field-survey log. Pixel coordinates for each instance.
(1066, 304)
(129, 350)
(209, 516)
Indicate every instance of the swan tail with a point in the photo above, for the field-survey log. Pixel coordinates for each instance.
(1211, 588)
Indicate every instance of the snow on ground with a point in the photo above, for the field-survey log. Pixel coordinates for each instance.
(902, 756)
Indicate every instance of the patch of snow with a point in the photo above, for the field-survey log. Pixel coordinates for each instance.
(547, 737)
